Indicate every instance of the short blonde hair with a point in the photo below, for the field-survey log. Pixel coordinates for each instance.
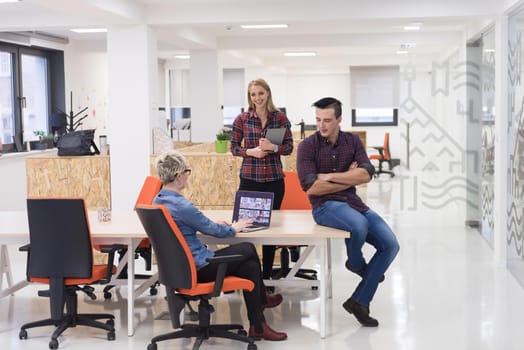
(170, 164)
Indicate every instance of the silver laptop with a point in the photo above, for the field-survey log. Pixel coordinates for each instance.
(253, 205)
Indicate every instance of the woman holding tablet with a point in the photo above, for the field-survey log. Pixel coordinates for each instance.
(261, 168)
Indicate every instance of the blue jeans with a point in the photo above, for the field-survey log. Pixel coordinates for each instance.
(363, 227)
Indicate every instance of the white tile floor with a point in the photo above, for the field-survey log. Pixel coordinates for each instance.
(443, 291)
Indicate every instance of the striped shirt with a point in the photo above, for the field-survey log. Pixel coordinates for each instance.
(247, 127)
(317, 156)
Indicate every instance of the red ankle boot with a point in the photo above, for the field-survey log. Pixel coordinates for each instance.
(267, 333)
(273, 300)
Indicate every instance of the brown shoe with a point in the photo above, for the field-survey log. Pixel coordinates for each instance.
(267, 333)
(273, 300)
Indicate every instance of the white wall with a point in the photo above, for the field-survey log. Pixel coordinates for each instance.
(86, 77)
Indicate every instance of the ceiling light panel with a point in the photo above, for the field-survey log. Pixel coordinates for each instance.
(89, 30)
(300, 54)
(263, 26)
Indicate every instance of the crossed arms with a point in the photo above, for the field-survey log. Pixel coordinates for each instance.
(336, 182)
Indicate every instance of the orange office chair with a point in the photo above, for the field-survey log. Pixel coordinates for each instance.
(148, 192)
(294, 198)
(384, 156)
(60, 254)
(177, 272)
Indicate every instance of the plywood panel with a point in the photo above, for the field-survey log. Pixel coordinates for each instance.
(89, 178)
(85, 177)
(47, 177)
(214, 179)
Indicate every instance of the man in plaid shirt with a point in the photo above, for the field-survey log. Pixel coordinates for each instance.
(330, 164)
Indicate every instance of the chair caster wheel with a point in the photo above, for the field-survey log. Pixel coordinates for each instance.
(151, 346)
(314, 288)
(242, 332)
(53, 344)
(110, 322)
(107, 295)
(111, 336)
(153, 291)
(251, 346)
(22, 334)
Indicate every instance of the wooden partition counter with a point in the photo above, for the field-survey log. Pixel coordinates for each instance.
(214, 178)
(87, 177)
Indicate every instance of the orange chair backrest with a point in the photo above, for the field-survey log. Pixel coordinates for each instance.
(150, 189)
(294, 197)
(386, 146)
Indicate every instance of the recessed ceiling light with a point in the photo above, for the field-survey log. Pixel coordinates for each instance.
(412, 27)
(89, 30)
(183, 57)
(402, 52)
(405, 46)
(9, 0)
(489, 50)
(263, 26)
(300, 54)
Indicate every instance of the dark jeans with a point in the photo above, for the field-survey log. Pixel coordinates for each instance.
(278, 189)
(248, 268)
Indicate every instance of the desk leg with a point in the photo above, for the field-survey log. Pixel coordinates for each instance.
(5, 268)
(323, 287)
(130, 288)
(330, 269)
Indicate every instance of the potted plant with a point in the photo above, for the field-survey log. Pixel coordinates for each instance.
(41, 143)
(222, 141)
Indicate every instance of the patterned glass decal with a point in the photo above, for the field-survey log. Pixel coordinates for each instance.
(515, 137)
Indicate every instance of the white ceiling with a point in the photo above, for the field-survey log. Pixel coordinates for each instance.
(342, 32)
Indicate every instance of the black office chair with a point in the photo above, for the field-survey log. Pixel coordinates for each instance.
(60, 254)
(177, 272)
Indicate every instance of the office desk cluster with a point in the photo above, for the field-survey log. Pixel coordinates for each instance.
(288, 227)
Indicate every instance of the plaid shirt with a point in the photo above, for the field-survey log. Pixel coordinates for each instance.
(248, 127)
(317, 156)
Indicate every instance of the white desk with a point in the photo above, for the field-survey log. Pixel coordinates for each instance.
(288, 227)
(124, 228)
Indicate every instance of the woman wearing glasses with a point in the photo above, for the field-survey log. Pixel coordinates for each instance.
(174, 172)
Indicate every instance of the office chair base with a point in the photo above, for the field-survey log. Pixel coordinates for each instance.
(70, 321)
(284, 269)
(391, 174)
(203, 333)
(152, 289)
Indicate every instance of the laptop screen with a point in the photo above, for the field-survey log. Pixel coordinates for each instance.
(253, 205)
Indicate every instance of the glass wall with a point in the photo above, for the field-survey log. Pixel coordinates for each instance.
(488, 135)
(515, 139)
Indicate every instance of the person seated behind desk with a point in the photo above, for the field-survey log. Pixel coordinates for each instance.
(174, 172)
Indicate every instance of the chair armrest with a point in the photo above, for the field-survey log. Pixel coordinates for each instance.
(380, 150)
(25, 248)
(110, 250)
(221, 272)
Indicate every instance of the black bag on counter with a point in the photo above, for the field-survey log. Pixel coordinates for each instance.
(77, 143)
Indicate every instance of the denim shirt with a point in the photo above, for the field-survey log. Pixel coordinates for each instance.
(190, 220)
